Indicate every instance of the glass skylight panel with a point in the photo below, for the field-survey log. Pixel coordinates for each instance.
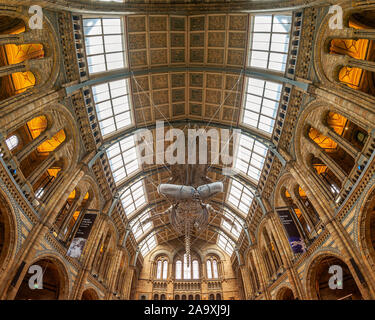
(122, 158)
(269, 41)
(138, 226)
(240, 197)
(235, 228)
(148, 245)
(104, 44)
(133, 198)
(225, 244)
(112, 105)
(261, 104)
(250, 157)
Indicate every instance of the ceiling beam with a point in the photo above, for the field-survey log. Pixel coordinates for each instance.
(126, 73)
(194, 7)
(263, 139)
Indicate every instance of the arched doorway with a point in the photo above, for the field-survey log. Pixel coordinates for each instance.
(285, 294)
(89, 294)
(319, 285)
(54, 281)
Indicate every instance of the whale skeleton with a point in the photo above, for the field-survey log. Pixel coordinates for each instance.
(188, 211)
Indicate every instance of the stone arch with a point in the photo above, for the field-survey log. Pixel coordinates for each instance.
(8, 233)
(47, 36)
(312, 268)
(366, 228)
(90, 294)
(58, 273)
(286, 292)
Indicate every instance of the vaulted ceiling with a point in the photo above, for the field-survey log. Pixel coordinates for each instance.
(190, 71)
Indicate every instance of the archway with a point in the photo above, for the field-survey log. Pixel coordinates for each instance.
(89, 294)
(7, 233)
(345, 288)
(285, 294)
(54, 281)
(367, 229)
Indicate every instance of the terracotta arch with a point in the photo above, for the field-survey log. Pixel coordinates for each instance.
(312, 268)
(8, 233)
(285, 293)
(90, 294)
(57, 273)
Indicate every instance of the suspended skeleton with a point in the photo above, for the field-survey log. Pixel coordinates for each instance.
(189, 212)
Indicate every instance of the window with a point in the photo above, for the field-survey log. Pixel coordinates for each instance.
(122, 158)
(104, 44)
(212, 269)
(39, 193)
(225, 244)
(261, 104)
(178, 269)
(12, 142)
(269, 41)
(158, 270)
(187, 268)
(209, 269)
(148, 245)
(134, 198)
(235, 228)
(165, 269)
(138, 226)
(195, 269)
(112, 105)
(240, 197)
(162, 269)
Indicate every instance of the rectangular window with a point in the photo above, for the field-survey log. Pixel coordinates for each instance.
(133, 198)
(122, 158)
(262, 101)
(112, 105)
(269, 41)
(104, 44)
(148, 245)
(240, 197)
(250, 158)
(225, 244)
(138, 226)
(233, 228)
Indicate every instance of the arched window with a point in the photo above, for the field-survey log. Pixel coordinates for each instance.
(178, 269)
(195, 269)
(12, 142)
(165, 269)
(187, 268)
(212, 268)
(162, 268)
(162, 297)
(158, 270)
(209, 269)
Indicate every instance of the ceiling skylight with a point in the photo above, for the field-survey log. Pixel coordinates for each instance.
(112, 105)
(240, 197)
(269, 41)
(133, 198)
(234, 229)
(261, 104)
(250, 157)
(122, 158)
(225, 243)
(149, 244)
(138, 227)
(104, 44)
